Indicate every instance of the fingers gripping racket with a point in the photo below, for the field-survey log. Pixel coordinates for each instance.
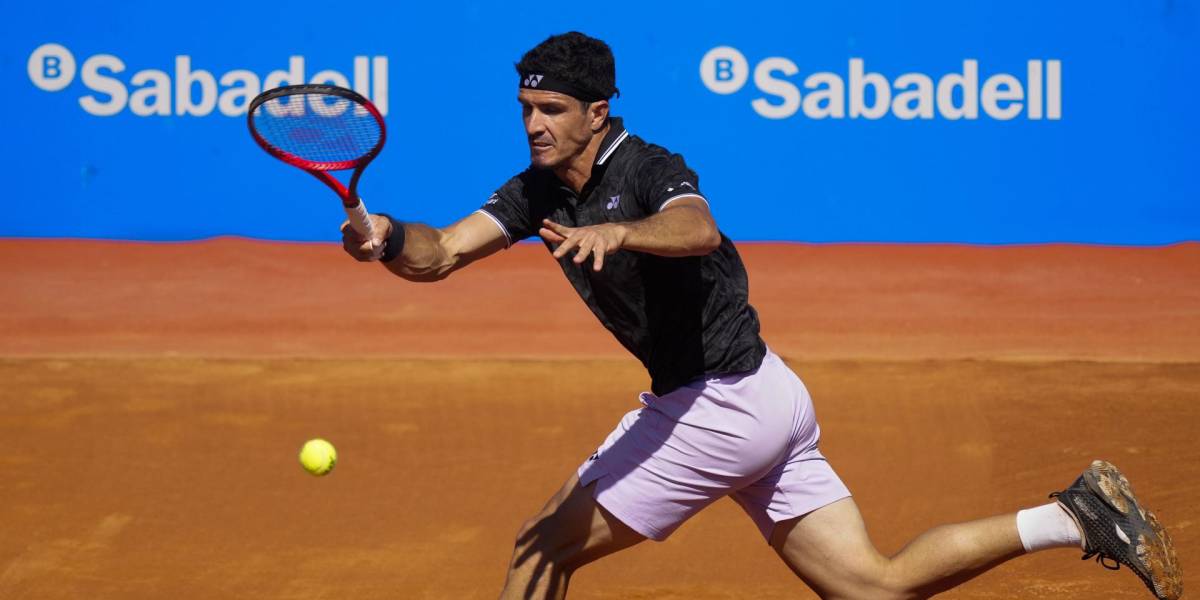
(322, 128)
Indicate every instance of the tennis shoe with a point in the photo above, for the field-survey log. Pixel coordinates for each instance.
(1117, 531)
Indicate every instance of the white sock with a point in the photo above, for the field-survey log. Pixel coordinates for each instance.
(1047, 526)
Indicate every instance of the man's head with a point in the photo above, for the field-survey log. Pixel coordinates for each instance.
(566, 82)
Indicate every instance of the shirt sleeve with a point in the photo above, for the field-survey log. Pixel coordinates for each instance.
(509, 208)
(664, 178)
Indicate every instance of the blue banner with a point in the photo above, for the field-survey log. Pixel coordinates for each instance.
(978, 122)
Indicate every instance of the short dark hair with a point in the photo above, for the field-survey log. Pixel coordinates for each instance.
(578, 59)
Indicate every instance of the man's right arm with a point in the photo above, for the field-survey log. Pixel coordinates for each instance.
(429, 254)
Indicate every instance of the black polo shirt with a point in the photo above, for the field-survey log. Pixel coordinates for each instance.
(684, 318)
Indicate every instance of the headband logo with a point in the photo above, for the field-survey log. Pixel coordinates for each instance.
(533, 80)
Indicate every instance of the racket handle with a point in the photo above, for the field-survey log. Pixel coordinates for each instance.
(362, 224)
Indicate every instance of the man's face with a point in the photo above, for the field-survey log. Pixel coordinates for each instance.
(557, 126)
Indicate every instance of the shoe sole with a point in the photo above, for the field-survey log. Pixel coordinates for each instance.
(1154, 548)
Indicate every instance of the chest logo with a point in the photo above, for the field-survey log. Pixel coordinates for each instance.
(613, 202)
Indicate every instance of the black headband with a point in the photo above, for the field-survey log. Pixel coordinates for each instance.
(549, 83)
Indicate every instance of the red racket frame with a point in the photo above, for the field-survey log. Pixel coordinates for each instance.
(349, 195)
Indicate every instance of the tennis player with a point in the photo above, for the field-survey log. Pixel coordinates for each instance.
(725, 416)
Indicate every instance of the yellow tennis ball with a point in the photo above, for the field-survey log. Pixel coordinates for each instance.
(318, 457)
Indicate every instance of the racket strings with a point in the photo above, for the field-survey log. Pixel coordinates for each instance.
(319, 128)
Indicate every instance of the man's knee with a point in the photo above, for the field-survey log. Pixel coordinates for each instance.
(894, 590)
(871, 585)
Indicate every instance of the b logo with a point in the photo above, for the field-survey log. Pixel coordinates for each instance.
(724, 70)
(533, 81)
(51, 67)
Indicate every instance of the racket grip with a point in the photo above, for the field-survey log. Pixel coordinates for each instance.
(360, 221)
(362, 224)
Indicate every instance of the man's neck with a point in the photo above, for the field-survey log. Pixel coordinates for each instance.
(577, 172)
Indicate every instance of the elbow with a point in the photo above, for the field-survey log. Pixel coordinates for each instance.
(418, 275)
(429, 275)
(711, 241)
(425, 277)
(426, 267)
(704, 243)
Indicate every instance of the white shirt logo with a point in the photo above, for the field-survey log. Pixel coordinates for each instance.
(613, 202)
(494, 199)
(533, 80)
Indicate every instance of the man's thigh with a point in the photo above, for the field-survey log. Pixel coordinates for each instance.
(698, 443)
(830, 550)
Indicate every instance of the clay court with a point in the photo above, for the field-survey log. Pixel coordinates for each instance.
(155, 396)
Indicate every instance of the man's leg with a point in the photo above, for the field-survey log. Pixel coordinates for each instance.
(829, 547)
(830, 550)
(663, 463)
(572, 530)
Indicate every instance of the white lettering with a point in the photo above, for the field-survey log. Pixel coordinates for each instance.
(91, 77)
(362, 83)
(858, 84)
(1053, 89)
(51, 67)
(184, 80)
(243, 87)
(902, 102)
(292, 106)
(1001, 88)
(968, 82)
(322, 106)
(724, 70)
(859, 93)
(1034, 77)
(831, 95)
(776, 87)
(380, 98)
(153, 99)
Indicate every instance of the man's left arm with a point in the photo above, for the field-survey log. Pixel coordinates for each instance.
(685, 227)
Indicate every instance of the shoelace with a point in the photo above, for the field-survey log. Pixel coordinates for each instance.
(1100, 556)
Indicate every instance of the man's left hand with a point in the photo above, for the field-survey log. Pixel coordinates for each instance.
(597, 241)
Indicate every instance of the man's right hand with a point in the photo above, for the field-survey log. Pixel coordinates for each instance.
(364, 250)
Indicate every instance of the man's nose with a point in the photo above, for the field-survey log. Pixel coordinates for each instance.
(535, 124)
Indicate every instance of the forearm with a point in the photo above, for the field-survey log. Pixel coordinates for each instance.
(422, 253)
(424, 256)
(679, 231)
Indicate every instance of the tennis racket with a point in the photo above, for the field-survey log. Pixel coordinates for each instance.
(322, 128)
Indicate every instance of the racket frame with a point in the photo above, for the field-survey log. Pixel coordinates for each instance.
(351, 202)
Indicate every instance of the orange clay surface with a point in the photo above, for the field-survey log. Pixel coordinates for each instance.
(155, 395)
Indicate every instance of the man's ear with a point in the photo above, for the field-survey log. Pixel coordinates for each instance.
(598, 114)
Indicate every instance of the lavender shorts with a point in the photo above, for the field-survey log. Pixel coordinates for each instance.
(752, 436)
